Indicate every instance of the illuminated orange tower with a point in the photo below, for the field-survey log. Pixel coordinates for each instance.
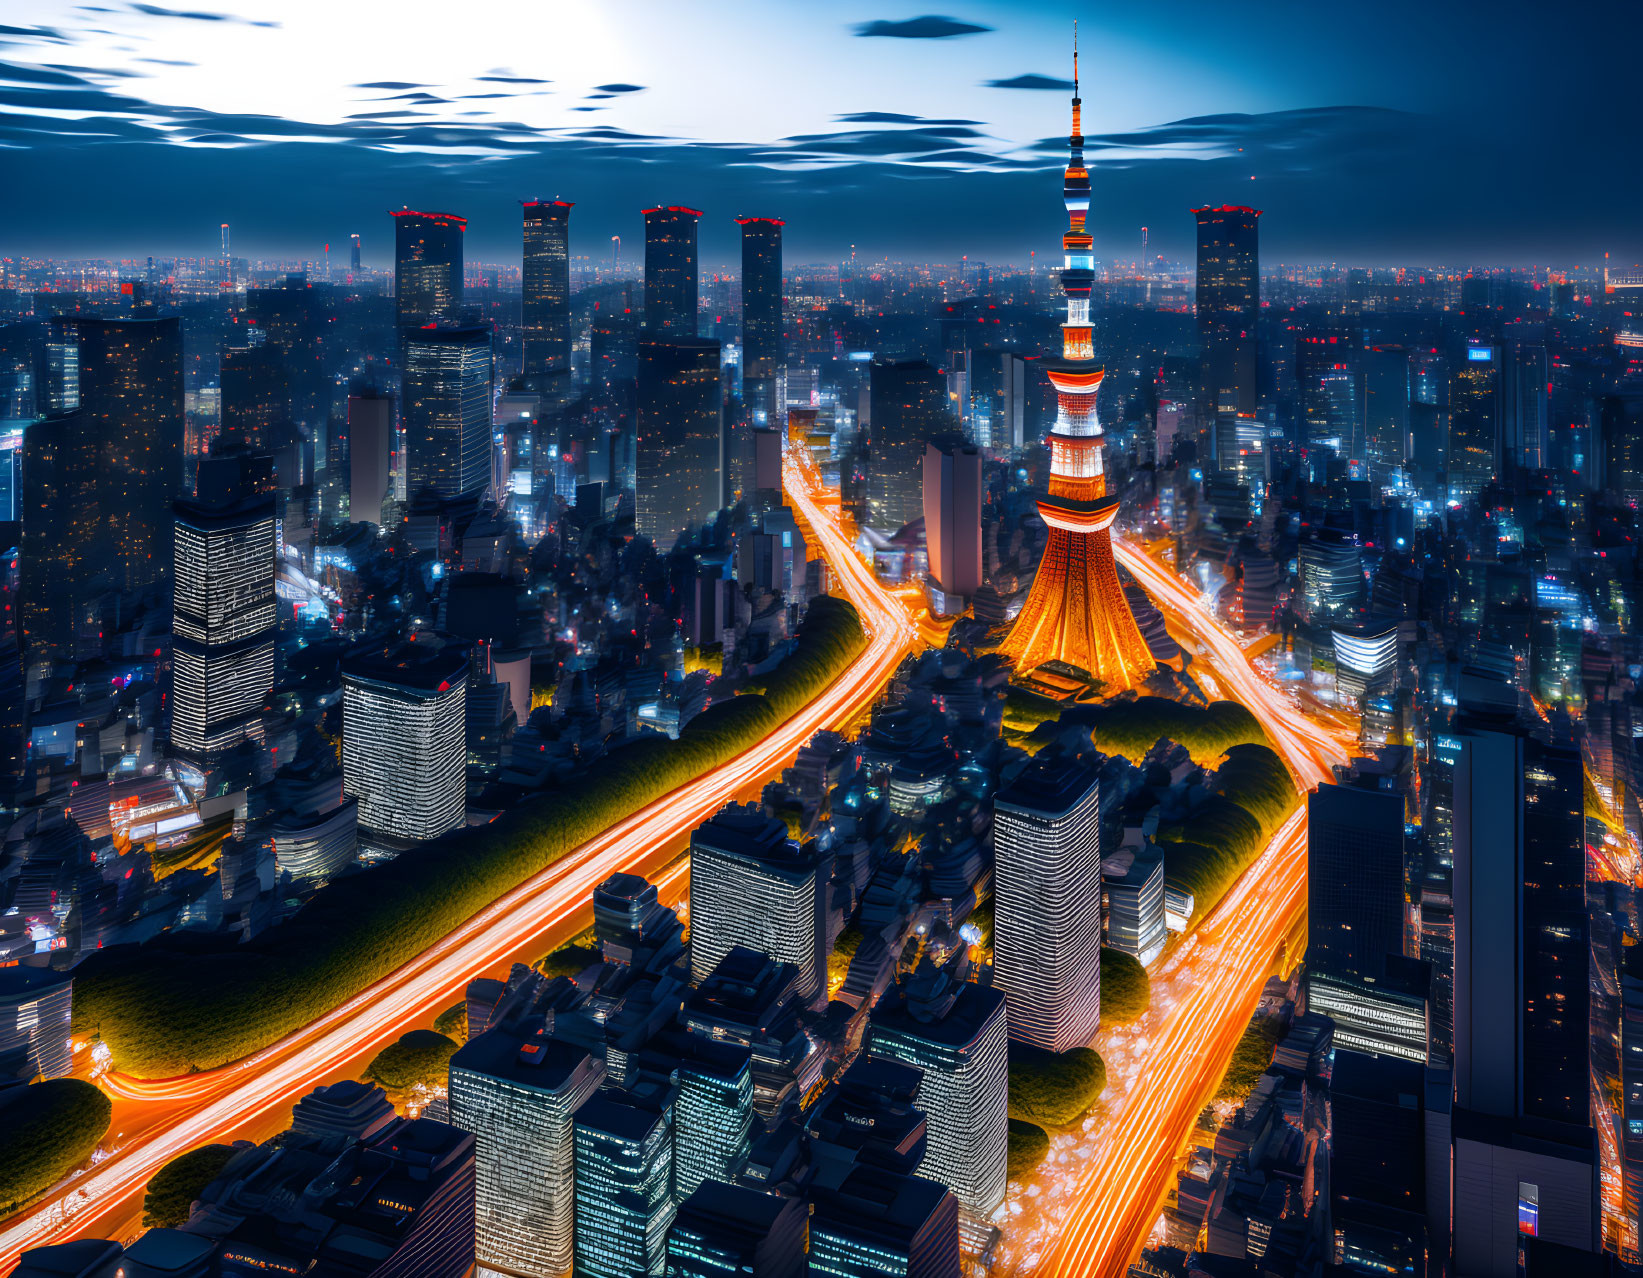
(1076, 612)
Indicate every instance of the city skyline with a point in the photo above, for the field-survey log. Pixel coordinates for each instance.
(1366, 137)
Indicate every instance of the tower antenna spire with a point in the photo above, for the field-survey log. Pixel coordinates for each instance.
(1075, 57)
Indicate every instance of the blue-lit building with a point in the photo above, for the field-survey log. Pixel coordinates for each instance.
(624, 1186)
(727, 1231)
(878, 1223)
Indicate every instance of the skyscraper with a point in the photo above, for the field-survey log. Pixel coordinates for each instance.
(404, 755)
(545, 286)
(953, 494)
(680, 448)
(671, 271)
(518, 1092)
(908, 405)
(1229, 305)
(713, 1115)
(1387, 377)
(224, 622)
(878, 1224)
(751, 885)
(1076, 613)
(62, 566)
(354, 254)
(131, 398)
(762, 347)
(256, 396)
(1524, 1147)
(727, 1231)
(370, 455)
(624, 1183)
(955, 1032)
(1474, 421)
(427, 266)
(1047, 903)
(446, 405)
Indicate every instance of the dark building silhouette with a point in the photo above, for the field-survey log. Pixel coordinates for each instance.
(724, 1230)
(427, 266)
(908, 403)
(370, 454)
(877, 1222)
(762, 350)
(256, 398)
(1229, 305)
(1474, 420)
(61, 566)
(680, 453)
(545, 285)
(671, 271)
(446, 406)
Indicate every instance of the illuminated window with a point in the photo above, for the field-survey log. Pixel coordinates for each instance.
(1528, 1209)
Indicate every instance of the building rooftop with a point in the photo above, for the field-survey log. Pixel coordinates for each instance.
(1049, 787)
(531, 1059)
(414, 667)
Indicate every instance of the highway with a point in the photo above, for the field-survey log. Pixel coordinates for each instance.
(202, 1108)
(1108, 1191)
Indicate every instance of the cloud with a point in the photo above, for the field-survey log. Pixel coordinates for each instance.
(19, 73)
(893, 117)
(194, 15)
(620, 88)
(391, 84)
(169, 62)
(931, 26)
(1031, 81)
(510, 79)
(1305, 135)
(34, 33)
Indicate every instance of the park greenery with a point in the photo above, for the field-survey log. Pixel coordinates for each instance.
(571, 959)
(163, 1012)
(453, 1022)
(1251, 796)
(1132, 727)
(1126, 990)
(843, 954)
(1249, 1059)
(177, 1186)
(47, 1129)
(1054, 1089)
(417, 1058)
(1029, 1146)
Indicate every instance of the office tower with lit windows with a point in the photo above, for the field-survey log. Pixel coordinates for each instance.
(36, 1005)
(518, 1090)
(1047, 903)
(225, 624)
(624, 1186)
(131, 398)
(404, 755)
(445, 401)
(763, 350)
(1474, 420)
(954, 490)
(427, 267)
(256, 396)
(545, 288)
(1229, 305)
(370, 455)
(671, 271)
(1331, 571)
(354, 264)
(1526, 384)
(878, 1223)
(679, 460)
(713, 1112)
(1356, 971)
(751, 885)
(1525, 1153)
(62, 565)
(908, 406)
(726, 1231)
(1387, 397)
(956, 1032)
(1076, 614)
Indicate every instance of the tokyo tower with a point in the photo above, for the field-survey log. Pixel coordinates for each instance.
(1076, 612)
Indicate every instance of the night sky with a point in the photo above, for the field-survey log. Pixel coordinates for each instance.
(1436, 133)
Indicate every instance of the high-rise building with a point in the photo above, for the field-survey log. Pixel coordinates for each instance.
(1047, 903)
(954, 490)
(624, 1184)
(370, 455)
(131, 398)
(728, 1231)
(671, 271)
(680, 445)
(518, 1092)
(713, 1114)
(1525, 1154)
(1387, 396)
(878, 1224)
(1474, 421)
(545, 285)
(1355, 921)
(1526, 405)
(35, 1008)
(256, 396)
(1331, 570)
(62, 565)
(445, 401)
(998, 402)
(427, 267)
(404, 754)
(908, 407)
(1076, 614)
(763, 351)
(955, 1032)
(751, 885)
(225, 624)
(1229, 305)
(354, 264)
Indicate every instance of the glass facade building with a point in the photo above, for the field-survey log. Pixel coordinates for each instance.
(446, 409)
(624, 1187)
